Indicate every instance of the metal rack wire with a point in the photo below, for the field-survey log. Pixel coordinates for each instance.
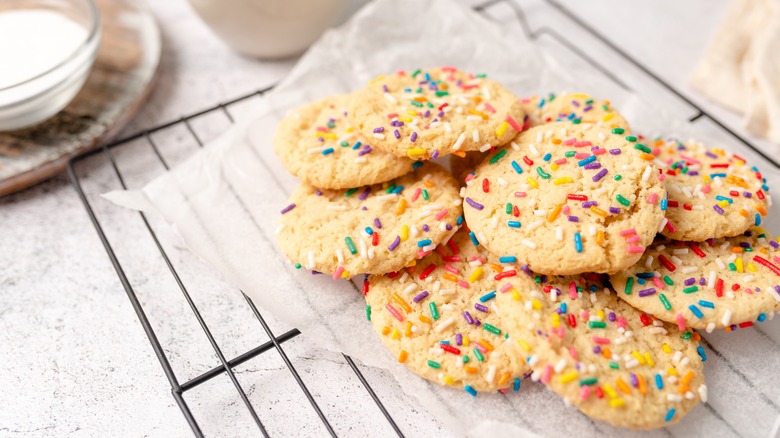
(226, 366)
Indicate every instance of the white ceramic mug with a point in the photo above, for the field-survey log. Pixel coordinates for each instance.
(269, 28)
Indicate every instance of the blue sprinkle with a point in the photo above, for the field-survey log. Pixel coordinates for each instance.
(474, 238)
(762, 317)
(578, 242)
(444, 342)
(398, 190)
(702, 353)
(357, 145)
(765, 187)
(513, 224)
(470, 390)
(708, 304)
(659, 381)
(460, 220)
(547, 157)
(588, 160)
(563, 307)
(417, 164)
(516, 386)
(424, 242)
(723, 198)
(369, 231)
(327, 151)
(664, 204)
(696, 311)
(507, 259)
(517, 167)
(758, 219)
(713, 175)
(487, 297)
(670, 415)
(645, 275)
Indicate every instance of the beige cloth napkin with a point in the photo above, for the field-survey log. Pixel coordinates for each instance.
(741, 67)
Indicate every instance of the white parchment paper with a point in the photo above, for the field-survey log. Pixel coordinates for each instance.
(225, 200)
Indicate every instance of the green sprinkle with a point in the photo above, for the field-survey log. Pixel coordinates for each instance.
(538, 279)
(429, 105)
(618, 177)
(589, 382)
(643, 148)
(614, 365)
(618, 130)
(416, 103)
(481, 75)
(433, 364)
(297, 266)
(498, 156)
(691, 289)
(331, 125)
(390, 189)
(668, 280)
(665, 302)
(732, 267)
(349, 192)
(350, 245)
(416, 72)
(542, 173)
(425, 194)
(434, 310)
(344, 144)
(597, 324)
(686, 336)
(508, 208)
(479, 355)
(466, 359)
(492, 329)
(631, 138)
(576, 121)
(442, 93)
(570, 154)
(749, 249)
(368, 313)
(623, 200)
(629, 285)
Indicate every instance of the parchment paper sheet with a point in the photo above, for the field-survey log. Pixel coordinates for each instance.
(225, 200)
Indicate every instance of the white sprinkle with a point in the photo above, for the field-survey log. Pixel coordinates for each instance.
(710, 327)
(448, 128)
(726, 320)
(346, 137)
(515, 146)
(502, 182)
(703, 393)
(311, 260)
(430, 247)
(379, 136)
(663, 224)
(371, 253)
(720, 263)
(560, 366)
(529, 244)
(649, 262)
(444, 325)
(559, 233)
(657, 331)
(279, 228)
(494, 222)
(340, 256)
(390, 97)
(459, 142)
(711, 280)
(534, 151)
(475, 135)
(389, 196)
(409, 289)
(472, 118)
(689, 269)
(748, 278)
(485, 147)
(491, 374)
(447, 292)
(534, 225)
(632, 363)
(648, 171)
(540, 212)
(677, 356)
(312, 151)
(413, 231)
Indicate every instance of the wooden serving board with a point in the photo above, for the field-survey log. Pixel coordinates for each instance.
(118, 85)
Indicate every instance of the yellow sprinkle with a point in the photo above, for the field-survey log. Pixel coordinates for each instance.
(466, 341)
(395, 334)
(600, 314)
(667, 349)
(536, 304)
(609, 390)
(554, 166)
(404, 233)
(401, 207)
(751, 267)
(476, 275)
(413, 152)
(671, 371)
(411, 264)
(515, 295)
(617, 403)
(649, 359)
(502, 128)
(411, 112)
(397, 298)
(403, 356)
(638, 356)
(568, 377)
(532, 182)
(405, 119)
(554, 213)
(723, 204)
(377, 79)
(562, 180)
(607, 117)
(598, 211)
(350, 129)
(448, 380)
(556, 320)
(345, 274)
(580, 96)
(524, 345)
(738, 264)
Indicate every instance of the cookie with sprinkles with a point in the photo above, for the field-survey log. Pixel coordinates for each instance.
(566, 199)
(576, 107)
(371, 229)
(431, 112)
(439, 318)
(711, 193)
(721, 283)
(317, 144)
(613, 362)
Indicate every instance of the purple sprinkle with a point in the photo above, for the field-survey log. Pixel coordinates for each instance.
(612, 317)
(379, 129)
(395, 243)
(693, 172)
(587, 108)
(711, 154)
(384, 88)
(774, 244)
(468, 317)
(744, 244)
(320, 139)
(689, 281)
(589, 204)
(413, 138)
(474, 203)
(481, 307)
(421, 296)
(396, 133)
(366, 149)
(597, 349)
(544, 279)
(614, 151)
(575, 103)
(449, 227)
(427, 114)
(647, 292)
(364, 208)
(316, 273)
(525, 269)
(318, 192)
(377, 223)
(702, 281)
(425, 227)
(574, 219)
(477, 323)
(634, 380)
(458, 339)
(365, 193)
(288, 208)
(592, 166)
(599, 175)
(717, 208)
(614, 210)
(435, 155)
(441, 114)
(747, 194)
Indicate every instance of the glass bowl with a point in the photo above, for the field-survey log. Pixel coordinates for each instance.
(43, 94)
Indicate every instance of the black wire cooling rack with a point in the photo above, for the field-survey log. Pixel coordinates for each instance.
(226, 366)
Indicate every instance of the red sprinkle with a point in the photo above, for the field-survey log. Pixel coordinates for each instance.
(645, 319)
(427, 271)
(719, 288)
(485, 185)
(450, 349)
(515, 211)
(365, 288)
(696, 250)
(760, 194)
(666, 262)
(575, 197)
(505, 274)
(572, 321)
(745, 324)
(772, 267)
(375, 239)
(527, 160)
(453, 247)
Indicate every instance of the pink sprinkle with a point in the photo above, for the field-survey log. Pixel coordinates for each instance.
(680, 322)
(658, 283)
(599, 151)
(561, 161)
(750, 291)
(634, 239)
(339, 271)
(463, 283)
(504, 391)
(585, 315)
(452, 269)
(621, 322)
(573, 290)
(601, 341)
(584, 392)
(689, 159)
(479, 347)
(489, 108)
(416, 194)
(570, 141)
(636, 249)
(506, 287)
(706, 189)
(628, 232)
(394, 312)
(581, 155)
(441, 214)
(566, 209)
(670, 227)
(560, 332)
(422, 254)
(573, 353)
(661, 177)
(520, 194)
(651, 199)
(580, 144)
(470, 176)
(547, 374)
(514, 124)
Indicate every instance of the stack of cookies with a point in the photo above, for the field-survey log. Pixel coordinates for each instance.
(565, 249)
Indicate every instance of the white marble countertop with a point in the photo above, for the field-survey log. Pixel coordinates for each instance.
(76, 361)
